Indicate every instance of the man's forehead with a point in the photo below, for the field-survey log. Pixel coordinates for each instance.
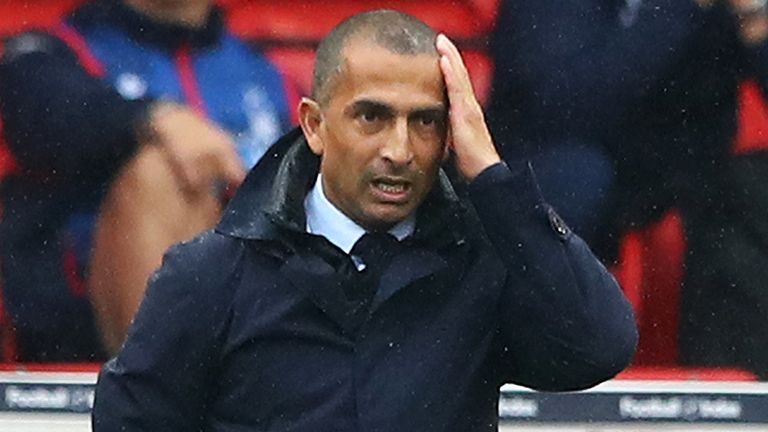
(362, 51)
(366, 69)
(365, 60)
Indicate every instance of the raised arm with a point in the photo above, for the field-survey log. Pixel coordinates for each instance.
(565, 324)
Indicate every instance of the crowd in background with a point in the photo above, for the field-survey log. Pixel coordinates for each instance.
(629, 109)
(626, 108)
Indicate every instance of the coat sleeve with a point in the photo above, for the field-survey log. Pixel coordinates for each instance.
(57, 118)
(564, 322)
(161, 378)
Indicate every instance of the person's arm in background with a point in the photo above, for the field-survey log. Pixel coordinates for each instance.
(58, 120)
(162, 160)
(161, 379)
(572, 65)
(61, 121)
(564, 322)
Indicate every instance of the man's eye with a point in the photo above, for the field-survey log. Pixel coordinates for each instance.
(427, 121)
(371, 121)
(369, 117)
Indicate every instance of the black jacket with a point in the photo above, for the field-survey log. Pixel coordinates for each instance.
(246, 328)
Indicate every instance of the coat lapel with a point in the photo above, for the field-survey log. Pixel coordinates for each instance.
(411, 265)
(322, 284)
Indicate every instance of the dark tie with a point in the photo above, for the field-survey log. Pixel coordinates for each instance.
(374, 251)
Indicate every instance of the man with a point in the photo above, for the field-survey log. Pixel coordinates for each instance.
(348, 288)
(128, 122)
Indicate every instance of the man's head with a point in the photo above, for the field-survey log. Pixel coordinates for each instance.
(378, 116)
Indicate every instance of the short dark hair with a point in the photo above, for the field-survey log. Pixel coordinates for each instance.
(396, 31)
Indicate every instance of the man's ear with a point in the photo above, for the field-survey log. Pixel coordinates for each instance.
(311, 120)
(447, 146)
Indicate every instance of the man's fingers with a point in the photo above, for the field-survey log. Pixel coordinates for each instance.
(470, 140)
(461, 96)
(457, 69)
(448, 65)
(448, 74)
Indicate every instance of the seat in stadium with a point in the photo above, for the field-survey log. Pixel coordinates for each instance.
(19, 15)
(309, 20)
(650, 272)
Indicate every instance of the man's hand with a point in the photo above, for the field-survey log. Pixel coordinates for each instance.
(468, 134)
(199, 152)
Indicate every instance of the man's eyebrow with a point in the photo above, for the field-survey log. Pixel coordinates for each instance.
(371, 105)
(434, 110)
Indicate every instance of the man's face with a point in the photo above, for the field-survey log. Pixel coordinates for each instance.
(381, 134)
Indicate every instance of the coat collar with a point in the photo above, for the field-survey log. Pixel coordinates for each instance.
(269, 206)
(270, 202)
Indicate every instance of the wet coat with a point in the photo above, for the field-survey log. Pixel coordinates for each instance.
(246, 327)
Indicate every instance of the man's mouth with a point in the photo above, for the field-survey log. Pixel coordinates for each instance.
(391, 189)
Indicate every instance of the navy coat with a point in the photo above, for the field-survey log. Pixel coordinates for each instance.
(247, 326)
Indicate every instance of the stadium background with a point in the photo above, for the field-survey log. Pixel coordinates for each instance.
(655, 394)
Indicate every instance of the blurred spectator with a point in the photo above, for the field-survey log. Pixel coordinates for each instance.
(725, 297)
(629, 108)
(570, 79)
(120, 110)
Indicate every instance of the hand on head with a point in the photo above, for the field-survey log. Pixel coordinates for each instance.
(469, 138)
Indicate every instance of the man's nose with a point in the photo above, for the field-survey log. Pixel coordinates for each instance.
(397, 149)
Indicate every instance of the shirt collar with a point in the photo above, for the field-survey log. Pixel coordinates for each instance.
(325, 219)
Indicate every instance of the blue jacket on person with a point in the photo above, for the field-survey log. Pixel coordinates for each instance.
(247, 327)
(71, 100)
